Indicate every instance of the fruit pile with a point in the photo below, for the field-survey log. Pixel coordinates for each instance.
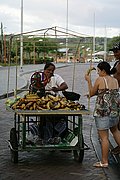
(48, 102)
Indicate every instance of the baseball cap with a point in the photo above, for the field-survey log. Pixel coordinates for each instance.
(115, 47)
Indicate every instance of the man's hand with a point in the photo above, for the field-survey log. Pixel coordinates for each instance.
(55, 89)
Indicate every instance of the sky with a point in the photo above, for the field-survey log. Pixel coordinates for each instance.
(89, 17)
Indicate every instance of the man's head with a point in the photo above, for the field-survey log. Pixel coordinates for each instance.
(116, 50)
(49, 69)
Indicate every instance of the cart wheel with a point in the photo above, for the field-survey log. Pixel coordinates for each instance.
(14, 143)
(79, 154)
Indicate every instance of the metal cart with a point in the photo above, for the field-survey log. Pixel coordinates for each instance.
(22, 120)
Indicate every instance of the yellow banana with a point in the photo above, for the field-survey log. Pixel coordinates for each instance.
(49, 104)
(51, 96)
(31, 96)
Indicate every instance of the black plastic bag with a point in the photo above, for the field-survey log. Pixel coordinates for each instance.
(71, 95)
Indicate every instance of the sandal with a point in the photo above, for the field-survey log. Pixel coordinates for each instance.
(100, 165)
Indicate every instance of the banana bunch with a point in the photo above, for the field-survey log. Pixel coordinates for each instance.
(90, 70)
(48, 102)
(10, 102)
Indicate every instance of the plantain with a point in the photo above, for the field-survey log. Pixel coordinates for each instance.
(62, 106)
(45, 99)
(39, 108)
(34, 106)
(52, 97)
(90, 70)
(29, 104)
(50, 104)
(57, 106)
(18, 107)
(63, 103)
(30, 100)
(70, 104)
(57, 98)
(18, 103)
(14, 106)
(31, 96)
(44, 106)
(38, 102)
(31, 108)
(22, 106)
(64, 99)
(66, 108)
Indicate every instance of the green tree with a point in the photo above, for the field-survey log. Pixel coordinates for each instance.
(113, 41)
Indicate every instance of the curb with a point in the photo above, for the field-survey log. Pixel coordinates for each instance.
(12, 92)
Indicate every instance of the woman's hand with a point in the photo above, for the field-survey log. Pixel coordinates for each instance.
(87, 78)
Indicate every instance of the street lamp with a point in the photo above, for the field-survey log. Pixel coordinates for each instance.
(21, 38)
(2, 42)
(67, 33)
(105, 44)
(94, 34)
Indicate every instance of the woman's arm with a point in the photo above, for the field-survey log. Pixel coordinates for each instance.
(93, 89)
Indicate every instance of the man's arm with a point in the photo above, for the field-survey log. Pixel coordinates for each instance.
(117, 74)
(62, 87)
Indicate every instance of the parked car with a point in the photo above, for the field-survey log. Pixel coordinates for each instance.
(95, 59)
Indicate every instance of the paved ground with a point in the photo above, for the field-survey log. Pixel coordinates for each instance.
(55, 165)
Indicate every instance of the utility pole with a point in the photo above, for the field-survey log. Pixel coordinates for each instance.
(21, 38)
(67, 33)
(105, 44)
(2, 47)
(94, 35)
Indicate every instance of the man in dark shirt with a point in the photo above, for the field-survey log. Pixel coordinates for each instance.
(116, 74)
(116, 51)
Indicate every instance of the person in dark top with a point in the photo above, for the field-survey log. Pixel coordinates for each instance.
(116, 67)
(116, 74)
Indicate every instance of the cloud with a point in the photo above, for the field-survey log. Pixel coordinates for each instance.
(39, 14)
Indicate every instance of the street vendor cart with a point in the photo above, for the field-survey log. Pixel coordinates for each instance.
(33, 109)
(73, 140)
(32, 113)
